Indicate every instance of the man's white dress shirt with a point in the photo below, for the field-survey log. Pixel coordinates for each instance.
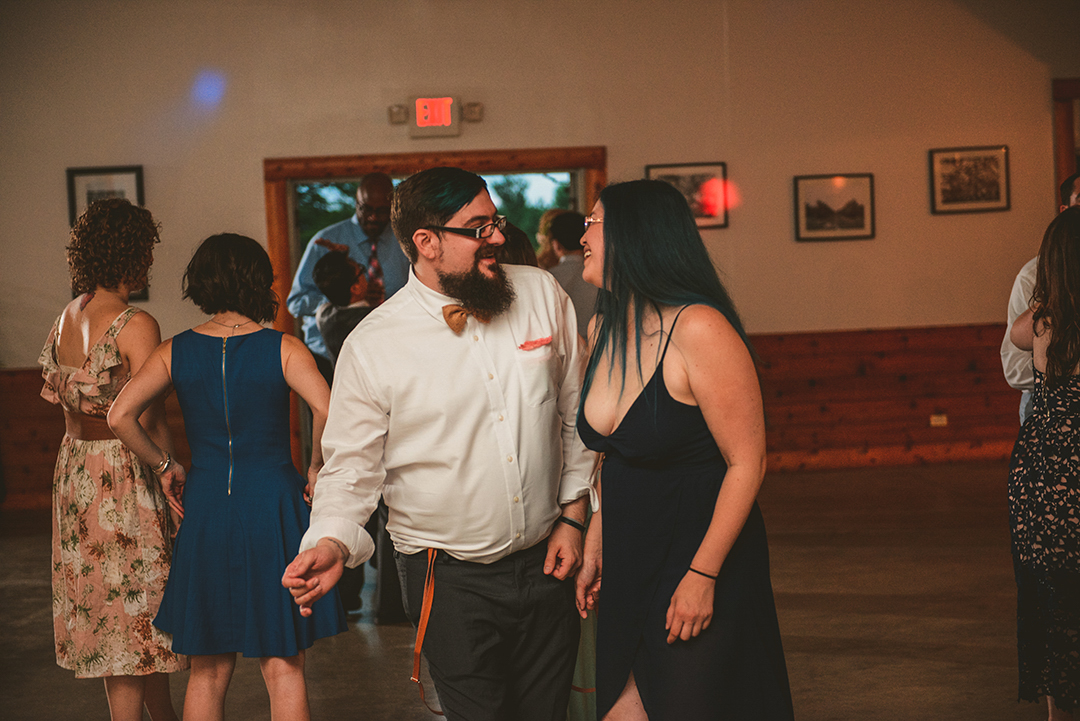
(1015, 362)
(470, 438)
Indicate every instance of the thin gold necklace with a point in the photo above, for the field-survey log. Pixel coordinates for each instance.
(230, 325)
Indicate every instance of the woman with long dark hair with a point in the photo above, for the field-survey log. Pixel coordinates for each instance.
(1044, 479)
(243, 505)
(687, 627)
(111, 528)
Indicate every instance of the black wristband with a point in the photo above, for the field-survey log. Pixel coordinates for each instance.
(572, 522)
(702, 573)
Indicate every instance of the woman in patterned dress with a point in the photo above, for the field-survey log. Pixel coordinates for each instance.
(111, 525)
(1044, 480)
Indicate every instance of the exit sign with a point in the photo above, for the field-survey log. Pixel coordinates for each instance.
(434, 117)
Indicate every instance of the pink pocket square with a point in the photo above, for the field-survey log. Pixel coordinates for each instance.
(534, 344)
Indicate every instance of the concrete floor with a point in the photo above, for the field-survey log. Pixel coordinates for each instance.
(894, 588)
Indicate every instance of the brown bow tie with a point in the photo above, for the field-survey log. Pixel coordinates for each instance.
(455, 316)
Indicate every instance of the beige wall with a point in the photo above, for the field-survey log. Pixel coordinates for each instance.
(776, 88)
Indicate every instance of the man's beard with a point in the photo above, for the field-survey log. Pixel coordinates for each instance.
(482, 297)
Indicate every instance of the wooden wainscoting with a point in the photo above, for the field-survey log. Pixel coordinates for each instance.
(832, 400)
(863, 398)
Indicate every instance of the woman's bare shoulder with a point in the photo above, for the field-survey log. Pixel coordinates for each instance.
(703, 324)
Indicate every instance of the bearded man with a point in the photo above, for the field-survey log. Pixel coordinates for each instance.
(456, 400)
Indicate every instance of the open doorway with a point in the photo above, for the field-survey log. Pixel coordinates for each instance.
(586, 168)
(521, 197)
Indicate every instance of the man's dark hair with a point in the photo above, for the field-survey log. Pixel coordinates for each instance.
(335, 275)
(429, 198)
(567, 229)
(231, 272)
(1067, 187)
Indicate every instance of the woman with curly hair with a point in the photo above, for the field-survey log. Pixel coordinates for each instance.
(1044, 479)
(242, 508)
(111, 525)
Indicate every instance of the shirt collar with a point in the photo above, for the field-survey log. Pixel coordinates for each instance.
(432, 301)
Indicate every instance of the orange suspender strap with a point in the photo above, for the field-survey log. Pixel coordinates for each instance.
(425, 611)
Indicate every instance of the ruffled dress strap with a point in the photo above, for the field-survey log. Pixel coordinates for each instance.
(50, 369)
(86, 388)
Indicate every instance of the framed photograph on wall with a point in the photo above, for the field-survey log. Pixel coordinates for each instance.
(834, 207)
(85, 185)
(969, 180)
(704, 185)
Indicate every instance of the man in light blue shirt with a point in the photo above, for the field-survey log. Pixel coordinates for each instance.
(366, 237)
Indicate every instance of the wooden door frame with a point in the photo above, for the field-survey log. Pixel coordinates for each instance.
(279, 172)
(1065, 90)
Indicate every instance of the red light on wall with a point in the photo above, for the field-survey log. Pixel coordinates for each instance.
(434, 112)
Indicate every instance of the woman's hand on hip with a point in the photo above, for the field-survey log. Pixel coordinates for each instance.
(172, 485)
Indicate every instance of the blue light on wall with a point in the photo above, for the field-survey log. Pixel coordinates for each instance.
(208, 89)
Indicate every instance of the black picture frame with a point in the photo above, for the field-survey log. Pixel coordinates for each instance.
(969, 180)
(838, 206)
(704, 185)
(85, 185)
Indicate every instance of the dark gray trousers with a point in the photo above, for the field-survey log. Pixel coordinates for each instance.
(502, 637)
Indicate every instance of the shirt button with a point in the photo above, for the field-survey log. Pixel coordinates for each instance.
(491, 377)
(476, 337)
(500, 417)
(509, 459)
(517, 535)
(515, 499)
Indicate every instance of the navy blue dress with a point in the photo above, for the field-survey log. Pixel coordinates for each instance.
(244, 511)
(661, 476)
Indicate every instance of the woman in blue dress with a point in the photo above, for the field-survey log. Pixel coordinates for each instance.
(687, 627)
(243, 503)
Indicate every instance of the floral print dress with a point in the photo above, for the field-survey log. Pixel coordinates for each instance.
(111, 538)
(1044, 515)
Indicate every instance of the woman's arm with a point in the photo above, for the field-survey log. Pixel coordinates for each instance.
(587, 583)
(137, 341)
(128, 415)
(1022, 333)
(303, 376)
(720, 376)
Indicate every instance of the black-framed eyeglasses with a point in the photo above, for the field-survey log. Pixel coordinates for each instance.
(484, 231)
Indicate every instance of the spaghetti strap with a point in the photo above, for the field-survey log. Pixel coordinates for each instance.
(670, 333)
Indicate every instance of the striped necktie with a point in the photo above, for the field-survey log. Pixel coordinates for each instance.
(376, 290)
